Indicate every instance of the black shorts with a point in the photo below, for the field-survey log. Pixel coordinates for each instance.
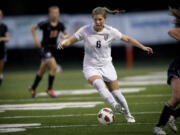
(174, 70)
(3, 55)
(47, 53)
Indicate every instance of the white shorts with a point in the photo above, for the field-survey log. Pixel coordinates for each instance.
(108, 72)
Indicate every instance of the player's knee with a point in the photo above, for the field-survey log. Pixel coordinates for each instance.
(98, 84)
(174, 101)
(54, 68)
(177, 99)
(41, 72)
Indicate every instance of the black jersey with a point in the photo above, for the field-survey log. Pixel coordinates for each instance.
(3, 30)
(50, 33)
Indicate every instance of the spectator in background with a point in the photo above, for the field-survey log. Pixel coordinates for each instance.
(4, 37)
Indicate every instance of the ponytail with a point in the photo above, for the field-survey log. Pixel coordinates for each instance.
(104, 11)
(176, 14)
(114, 12)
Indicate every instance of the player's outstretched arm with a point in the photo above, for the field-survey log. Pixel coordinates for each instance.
(37, 42)
(67, 42)
(175, 33)
(136, 43)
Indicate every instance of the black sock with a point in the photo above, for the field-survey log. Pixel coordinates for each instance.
(50, 81)
(36, 82)
(177, 113)
(167, 111)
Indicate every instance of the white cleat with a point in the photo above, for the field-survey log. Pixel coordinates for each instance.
(172, 124)
(159, 131)
(118, 108)
(130, 119)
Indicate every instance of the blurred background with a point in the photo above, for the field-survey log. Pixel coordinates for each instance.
(146, 21)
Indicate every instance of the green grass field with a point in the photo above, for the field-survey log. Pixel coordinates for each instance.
(74, 119)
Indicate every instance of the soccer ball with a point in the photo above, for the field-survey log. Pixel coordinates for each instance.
(106, 116)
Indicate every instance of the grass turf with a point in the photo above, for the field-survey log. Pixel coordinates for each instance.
(15, 88)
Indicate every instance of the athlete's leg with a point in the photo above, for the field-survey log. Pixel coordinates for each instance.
(1, 71)
(175, 98)
(177, 113)
(98, 82)
(40, 73)
(114, 88)
(174, 101)
(169, 108)
(53, 66)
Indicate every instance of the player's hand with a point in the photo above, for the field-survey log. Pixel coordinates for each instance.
(60, 46)
(148, 50)
(38, 44)
(64, 36)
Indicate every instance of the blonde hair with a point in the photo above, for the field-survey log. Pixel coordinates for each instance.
(176, 14)
(104, 11)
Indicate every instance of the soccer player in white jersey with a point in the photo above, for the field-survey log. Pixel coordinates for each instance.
(97, 66)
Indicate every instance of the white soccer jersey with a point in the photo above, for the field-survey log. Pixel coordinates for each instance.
(97, 44)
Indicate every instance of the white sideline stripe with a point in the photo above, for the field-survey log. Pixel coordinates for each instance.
(150, 76)
(19, 125)
(68, 115)
(155, 78)
(96, 125)
(135, 83)
(9, 128)
(49, 106)
(12, 130)
(81, 98)
(89, 91)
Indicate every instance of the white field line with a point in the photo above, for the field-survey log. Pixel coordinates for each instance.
(139, 83)
(49, 106)
(97, 125)
(89, 91)
(69, 115)
(150, 76)
(156, 78)
(12, 130)
(57, 106)
(19, 125)
(79, 98)
(9, 128)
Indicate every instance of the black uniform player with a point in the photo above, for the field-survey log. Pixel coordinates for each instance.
(51, 29)
(4, 37)
(170, 111)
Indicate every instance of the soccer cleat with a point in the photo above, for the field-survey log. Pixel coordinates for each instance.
(159, 131)
(33, 92)
(172, 124)
(51, 93)
(118, 108)
(130, 119)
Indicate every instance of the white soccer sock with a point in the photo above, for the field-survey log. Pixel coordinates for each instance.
(121, 99)
(1, 76)
(104, 92)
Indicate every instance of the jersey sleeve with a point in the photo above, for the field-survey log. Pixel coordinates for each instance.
(79, 34)
(41, 25)
(117, 35)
